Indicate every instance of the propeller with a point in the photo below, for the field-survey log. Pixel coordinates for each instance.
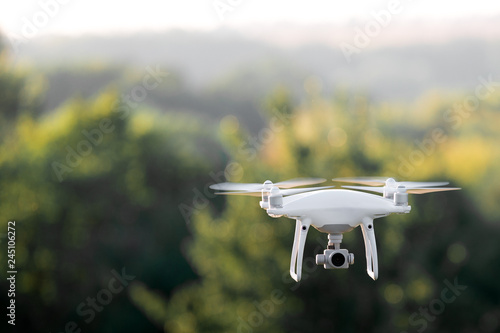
(419, 190)
(387, 181)
(391, 186)
(369, 181)
(255, 187)
(282, 192)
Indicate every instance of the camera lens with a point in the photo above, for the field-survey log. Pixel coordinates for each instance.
(338, 259)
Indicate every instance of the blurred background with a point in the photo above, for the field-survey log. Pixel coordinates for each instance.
(115, 117)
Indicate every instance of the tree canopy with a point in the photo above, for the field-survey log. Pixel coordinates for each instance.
(100, 190)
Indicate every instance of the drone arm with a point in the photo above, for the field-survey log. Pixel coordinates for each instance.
(301, 229)
(370, 247)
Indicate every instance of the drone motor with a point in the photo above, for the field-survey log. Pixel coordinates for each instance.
(401, 197)
(275, 199)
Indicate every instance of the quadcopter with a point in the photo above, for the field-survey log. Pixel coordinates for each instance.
(333, 211)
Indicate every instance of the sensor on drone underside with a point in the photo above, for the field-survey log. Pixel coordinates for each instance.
(334, 257)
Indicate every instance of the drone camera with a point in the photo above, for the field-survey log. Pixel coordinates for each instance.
(331, 259)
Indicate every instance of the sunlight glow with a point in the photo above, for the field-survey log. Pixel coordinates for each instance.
(99, 17)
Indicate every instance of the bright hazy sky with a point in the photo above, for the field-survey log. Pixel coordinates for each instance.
(110, 16)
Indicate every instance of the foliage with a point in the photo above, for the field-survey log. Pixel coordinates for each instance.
(243, 255)
(88, 201)
(135, 197)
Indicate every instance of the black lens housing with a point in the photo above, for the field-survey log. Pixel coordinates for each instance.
(338, 259)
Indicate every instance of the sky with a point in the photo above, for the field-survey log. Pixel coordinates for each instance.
(29, 18)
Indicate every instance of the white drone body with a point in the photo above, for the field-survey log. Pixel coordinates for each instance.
(333, 211)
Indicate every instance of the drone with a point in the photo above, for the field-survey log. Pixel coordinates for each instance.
(333, 211)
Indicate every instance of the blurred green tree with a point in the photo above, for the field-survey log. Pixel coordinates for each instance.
(243, 255)
(95, 187)
(92, 189)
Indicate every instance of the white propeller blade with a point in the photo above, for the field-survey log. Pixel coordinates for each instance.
(283, 192)
(366, 188)
(299, 182)
(381, 181)
(252, 187)
(418, 190)
(430, 190)
(421, 184)
(370, 181)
